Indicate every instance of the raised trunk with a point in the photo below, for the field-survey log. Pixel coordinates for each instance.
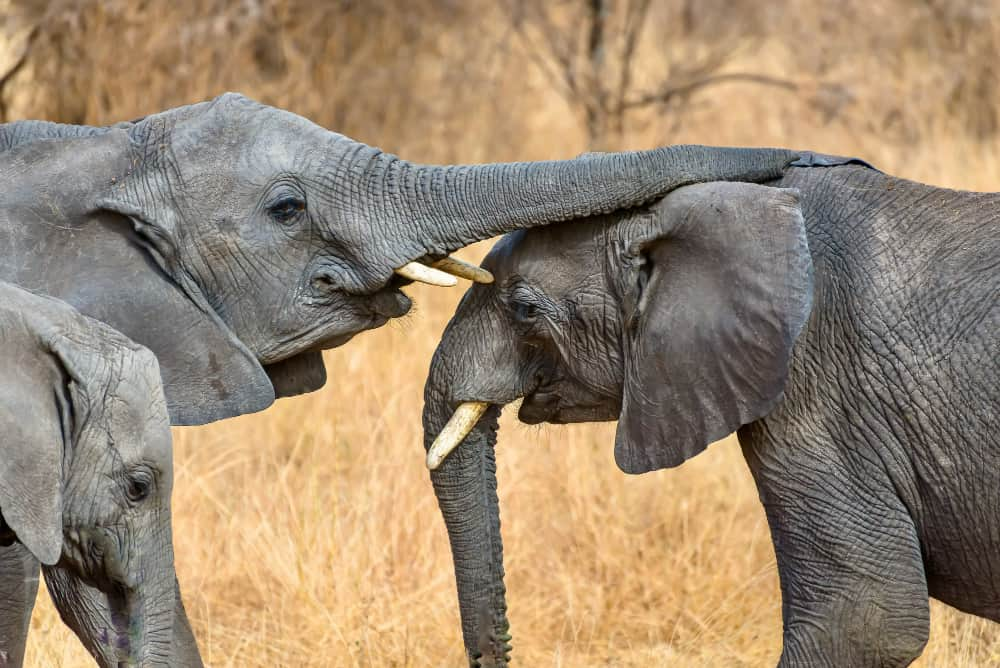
(466, 489)
(451, 207)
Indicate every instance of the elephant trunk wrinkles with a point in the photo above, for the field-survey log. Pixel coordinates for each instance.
(127, 619)
(466, 489)
(457, 205)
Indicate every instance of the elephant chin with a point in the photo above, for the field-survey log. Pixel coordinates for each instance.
(466, 489)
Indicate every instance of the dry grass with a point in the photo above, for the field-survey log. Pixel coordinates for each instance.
(308, 535)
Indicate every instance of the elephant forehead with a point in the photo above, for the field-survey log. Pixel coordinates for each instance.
(141, 412)
(268, 137)
(558, 257)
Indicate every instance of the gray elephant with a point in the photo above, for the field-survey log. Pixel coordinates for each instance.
(855, 348)
(237, 241)
(85, 483)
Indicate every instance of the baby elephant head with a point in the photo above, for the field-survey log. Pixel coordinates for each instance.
(86, 477)
(677, 320)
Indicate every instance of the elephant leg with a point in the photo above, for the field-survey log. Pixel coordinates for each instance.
(853, 587)
(18, 588)
(185, 650)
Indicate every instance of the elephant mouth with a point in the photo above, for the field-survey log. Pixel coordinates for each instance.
(538, 407)
(385, 307)
(548, 405)
(390, 303)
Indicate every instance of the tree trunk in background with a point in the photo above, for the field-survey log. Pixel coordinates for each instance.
(596, 104)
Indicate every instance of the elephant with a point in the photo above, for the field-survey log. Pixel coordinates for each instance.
(843, 322)
(85, 483)
(237, 241)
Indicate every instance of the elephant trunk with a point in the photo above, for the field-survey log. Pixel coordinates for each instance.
(451, 207)
(431, 210)
(474, 365)
(466, 489)
(124, 612)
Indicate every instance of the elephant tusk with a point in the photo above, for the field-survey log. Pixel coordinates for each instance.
(424, 274)
(462, 269)
(461, 423)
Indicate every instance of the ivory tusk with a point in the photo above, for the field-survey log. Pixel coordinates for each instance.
(424, 274)
(462, 269)
(461, 423)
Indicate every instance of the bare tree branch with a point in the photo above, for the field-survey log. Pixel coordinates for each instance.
(670, 93)
(561, 43)
(561, 78)
(635, 18)
(595, 104)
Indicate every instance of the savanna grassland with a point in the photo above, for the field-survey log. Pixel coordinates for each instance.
(308, 535)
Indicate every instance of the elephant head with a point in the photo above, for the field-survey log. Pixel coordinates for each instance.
(236, 240)
(86, 475)
(677, 320)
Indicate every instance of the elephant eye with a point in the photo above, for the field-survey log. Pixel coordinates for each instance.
(523, 311)
(286, 208)
(139, 485)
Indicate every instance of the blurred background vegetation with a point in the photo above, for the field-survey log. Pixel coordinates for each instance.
(307, 535)
(446, 80)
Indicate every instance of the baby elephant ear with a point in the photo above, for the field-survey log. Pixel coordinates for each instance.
(31, 469)
(39, 408)
(719, 289)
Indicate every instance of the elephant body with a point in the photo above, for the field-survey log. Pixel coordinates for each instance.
(85, 483)
(880, 470)
(862, 372)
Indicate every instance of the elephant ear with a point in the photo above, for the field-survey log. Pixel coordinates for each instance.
(31, 468)
(42, 405)
(208, 373)
(719, 289)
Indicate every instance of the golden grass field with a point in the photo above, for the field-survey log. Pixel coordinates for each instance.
(308, 535)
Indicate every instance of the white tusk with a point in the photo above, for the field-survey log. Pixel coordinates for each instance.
(461, 423)
(462, 269)
(424, 274)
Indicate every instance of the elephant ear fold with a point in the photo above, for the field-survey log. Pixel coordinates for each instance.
(208, 373)
(719, 287)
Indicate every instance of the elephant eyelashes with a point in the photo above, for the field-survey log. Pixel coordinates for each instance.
(524, 312)
(139, 485)
(286, 209)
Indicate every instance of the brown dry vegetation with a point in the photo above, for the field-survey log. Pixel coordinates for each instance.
(308, 535)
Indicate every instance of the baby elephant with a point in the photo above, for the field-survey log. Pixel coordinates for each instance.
(847, 326)
(85, 482)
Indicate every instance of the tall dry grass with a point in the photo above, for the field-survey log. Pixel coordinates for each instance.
(308, 535)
